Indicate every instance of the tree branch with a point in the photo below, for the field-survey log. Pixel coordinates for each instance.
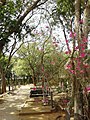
(30, 8)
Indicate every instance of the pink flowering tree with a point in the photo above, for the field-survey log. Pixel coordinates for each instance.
(77, 64)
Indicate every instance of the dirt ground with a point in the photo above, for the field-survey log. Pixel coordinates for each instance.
(11, 105)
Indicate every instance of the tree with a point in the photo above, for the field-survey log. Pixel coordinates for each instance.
(12, 22)
(74, 18)
(41, 59)
(82, 31)
(32, 55)
(79, 35)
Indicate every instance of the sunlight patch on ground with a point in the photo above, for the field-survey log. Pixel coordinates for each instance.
(12, 113)
(2, 108)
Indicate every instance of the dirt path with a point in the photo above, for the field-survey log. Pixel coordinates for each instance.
(11, 104)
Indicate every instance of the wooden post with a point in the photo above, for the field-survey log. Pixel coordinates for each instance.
(52, 99)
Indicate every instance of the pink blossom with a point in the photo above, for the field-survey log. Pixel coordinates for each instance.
(73, 71)
(34, 88)
(78, 68)
(87, 89)
(83, 48)
(85, 40)
(76, 47)
(65, 101)
(66, 41)
(82, 45)
(77, 59)
(86, 65)
(81, 21)
(71, 34)
(74, 34)
(67, 52)
(82, 55)
(81, 71)
(79, 63)
(69, 66)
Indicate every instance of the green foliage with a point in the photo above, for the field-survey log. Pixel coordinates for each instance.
(8, 19)
(65, 7)
(20, 67)
(30, 57)
(63, 13)
(4, 61)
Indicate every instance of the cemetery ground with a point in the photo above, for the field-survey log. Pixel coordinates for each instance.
(17, 105)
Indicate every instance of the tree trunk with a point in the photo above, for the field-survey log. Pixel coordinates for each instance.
(86, 18)
(80, 33)
(77, 110)
(3, 80)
